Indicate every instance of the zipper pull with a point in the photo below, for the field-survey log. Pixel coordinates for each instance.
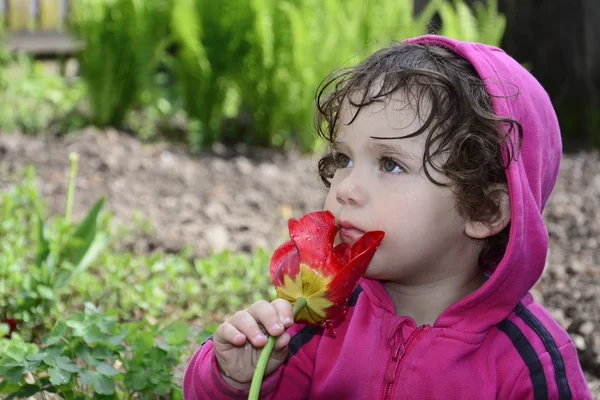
(392, 368)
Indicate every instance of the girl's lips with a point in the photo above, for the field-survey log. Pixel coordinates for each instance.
(350, 235)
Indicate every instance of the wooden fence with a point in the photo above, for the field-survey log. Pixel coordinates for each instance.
(37, 27)
(34, 15)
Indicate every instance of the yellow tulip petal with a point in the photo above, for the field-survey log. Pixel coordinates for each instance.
(310, 284)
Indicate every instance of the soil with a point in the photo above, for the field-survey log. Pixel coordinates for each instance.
(241, 198)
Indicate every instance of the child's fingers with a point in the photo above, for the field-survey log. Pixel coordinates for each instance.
(248, 326)
(229, 334)
(282, 341)
(284, 310)
(267, 315)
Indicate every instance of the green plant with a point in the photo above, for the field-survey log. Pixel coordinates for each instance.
(123, 42)
(62, 252)
(212, 40)
(295, 45)
(485, 25)
(92, 355)
(39, 100)
(167, 287)
(262, 60)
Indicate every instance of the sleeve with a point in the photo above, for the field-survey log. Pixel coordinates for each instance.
(203, 381)
(573, 386)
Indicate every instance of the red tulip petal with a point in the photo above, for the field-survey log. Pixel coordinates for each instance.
(343, 252)
(340, 288)
(285, 261)
(366, 242)
(314, 234)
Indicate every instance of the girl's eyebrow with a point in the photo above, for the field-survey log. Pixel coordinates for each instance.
(378, 147)
(382, 147)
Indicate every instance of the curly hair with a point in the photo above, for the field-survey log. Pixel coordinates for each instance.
(465, 140)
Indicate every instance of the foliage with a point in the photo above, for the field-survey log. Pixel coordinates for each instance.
(156, 285)
(92, 355)
(485, 25)
(200, 71)
(123, 41)
(267, 57)
(60, 254)
(161, 115)
(39, 102)
(42, 264)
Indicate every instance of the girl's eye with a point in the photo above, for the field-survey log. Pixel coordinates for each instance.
(342, 160)
(389, 165)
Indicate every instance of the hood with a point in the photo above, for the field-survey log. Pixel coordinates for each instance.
(515, 94)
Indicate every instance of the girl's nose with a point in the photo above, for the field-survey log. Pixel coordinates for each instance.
(351, 191)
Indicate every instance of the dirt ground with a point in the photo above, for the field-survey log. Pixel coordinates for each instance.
(241, 198)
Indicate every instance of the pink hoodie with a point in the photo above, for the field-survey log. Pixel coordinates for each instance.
(497, 343)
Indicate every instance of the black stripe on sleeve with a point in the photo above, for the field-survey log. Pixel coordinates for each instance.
(525, 349)
(354, 296)
(564, 391)
(301, 338)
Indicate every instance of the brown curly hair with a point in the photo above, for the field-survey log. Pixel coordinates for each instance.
(460, 124)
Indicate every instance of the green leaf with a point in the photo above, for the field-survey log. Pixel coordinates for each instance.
(107, 326)
(84, 235)
(18, 350)
(45, 292)
(15, 374)
(88, 377)
(56, 334)
(50, 360)
(79, 328)
(30, 366)
(104, 385)
(4, 329)
(43, 246)
(135, 380)
(115, 340)
(101, 352)
(54, 350)
(144, 340)
(98, 244)
(59, 376)
(94, 335)
(106, 369)
(176, 394)
(66, 364)
(8, 387)
(36, 357)
(176, 333)
(25, 392)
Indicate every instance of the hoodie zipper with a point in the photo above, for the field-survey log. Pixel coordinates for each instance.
(397, 355)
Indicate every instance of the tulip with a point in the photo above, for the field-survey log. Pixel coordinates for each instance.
(314, 276)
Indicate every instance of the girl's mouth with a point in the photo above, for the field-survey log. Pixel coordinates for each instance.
(350, 235)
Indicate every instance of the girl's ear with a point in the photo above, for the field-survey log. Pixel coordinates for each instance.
(481, 229)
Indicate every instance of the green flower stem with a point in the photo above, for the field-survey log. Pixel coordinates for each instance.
(74, 158)
(259, 372)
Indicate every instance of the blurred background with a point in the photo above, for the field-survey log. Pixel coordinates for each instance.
(151, 152)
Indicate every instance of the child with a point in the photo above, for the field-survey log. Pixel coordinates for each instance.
(451, 149)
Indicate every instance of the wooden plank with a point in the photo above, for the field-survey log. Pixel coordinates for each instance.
(43, 43)
(50, 15)
(19, 15)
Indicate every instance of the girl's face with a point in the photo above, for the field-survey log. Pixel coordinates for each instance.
(379, 185)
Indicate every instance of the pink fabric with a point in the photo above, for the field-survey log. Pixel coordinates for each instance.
(464, 355)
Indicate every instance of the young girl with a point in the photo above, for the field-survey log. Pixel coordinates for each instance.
(451, 149)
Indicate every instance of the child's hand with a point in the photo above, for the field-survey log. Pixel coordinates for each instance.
(239, 340)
